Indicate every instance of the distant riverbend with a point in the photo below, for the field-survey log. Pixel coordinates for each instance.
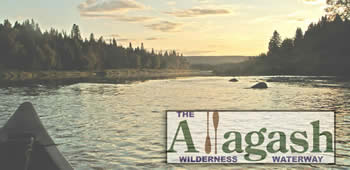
(105, 76)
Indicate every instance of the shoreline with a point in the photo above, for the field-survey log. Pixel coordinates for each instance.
(24, 78)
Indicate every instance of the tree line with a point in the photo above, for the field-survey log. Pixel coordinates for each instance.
(323, 49)
(23, 46)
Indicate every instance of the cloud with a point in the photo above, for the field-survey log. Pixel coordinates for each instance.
(118, 17)
(151, 38)
(112, 9)
(165, 26)
(154, 38)
(92, 6)
(86, 4)
(194, 12)
(125, 40)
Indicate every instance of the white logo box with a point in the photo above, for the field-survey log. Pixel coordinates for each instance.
(285, 133)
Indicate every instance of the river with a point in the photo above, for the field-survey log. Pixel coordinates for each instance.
(115, 126)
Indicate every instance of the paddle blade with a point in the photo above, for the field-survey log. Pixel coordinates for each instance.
(207, 145)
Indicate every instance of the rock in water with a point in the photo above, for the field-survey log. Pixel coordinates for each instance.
(261, 85)
(233, 80)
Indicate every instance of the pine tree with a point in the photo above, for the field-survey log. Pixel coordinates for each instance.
(75, 33)
(274, 44)
(287, 46)
(142, 47)
(92, 38)
(298, 37)
(114, 42)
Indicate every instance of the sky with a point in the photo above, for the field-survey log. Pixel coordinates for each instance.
(192, 27)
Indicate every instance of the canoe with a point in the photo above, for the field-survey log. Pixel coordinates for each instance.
(26, 145)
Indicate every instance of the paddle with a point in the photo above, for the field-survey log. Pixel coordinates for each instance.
(216, 123)
(207, 139)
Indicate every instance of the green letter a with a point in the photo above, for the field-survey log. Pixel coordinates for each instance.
(187, 138)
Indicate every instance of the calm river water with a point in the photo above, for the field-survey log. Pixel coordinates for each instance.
(122, 126)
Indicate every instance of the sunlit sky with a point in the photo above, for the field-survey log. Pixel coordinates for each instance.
(193, 27)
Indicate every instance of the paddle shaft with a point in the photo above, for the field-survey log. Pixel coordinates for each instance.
(216, 123)
(207, 139)
(208, 124)
(216, 151)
